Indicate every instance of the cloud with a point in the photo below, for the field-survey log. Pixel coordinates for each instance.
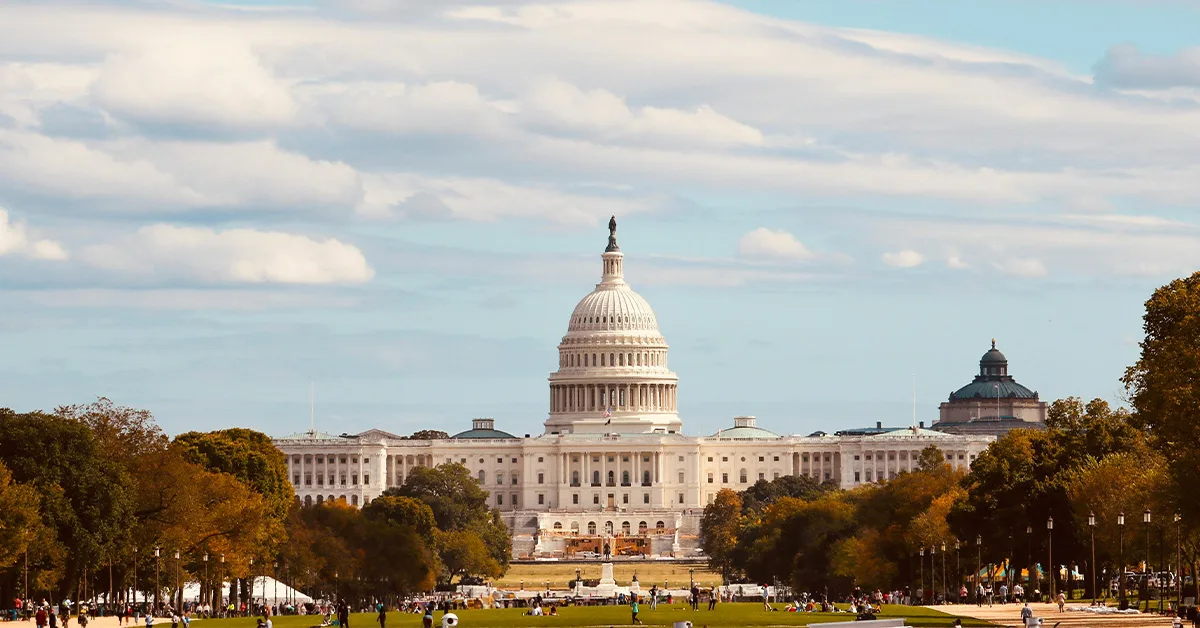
(773, 244)
(1028, 267)
(1125, 66)
(231, 256)
(907, 258)
(181, 77)
(16, 240)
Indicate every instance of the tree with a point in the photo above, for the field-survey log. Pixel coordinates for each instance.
(121, 433)
(465, 554)
(19, 519)
(931, 458)
(456, 499)
(429, 435)
(719, 529)
(763, 493)
(407, 511)
(249, 456)
(1162, 384)
(85, 499)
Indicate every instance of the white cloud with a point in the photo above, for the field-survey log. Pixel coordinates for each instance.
(193, 77)
(906, 258)
(1125, 66)
(774, 244)
(16, 240)
(231, 256)
(1027, 267)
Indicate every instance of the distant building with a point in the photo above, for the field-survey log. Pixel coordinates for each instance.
(613, 466)
(993, 403)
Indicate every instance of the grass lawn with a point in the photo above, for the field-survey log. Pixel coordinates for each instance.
(726, 616)
(559, 574)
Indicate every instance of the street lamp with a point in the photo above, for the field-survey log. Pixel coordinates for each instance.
(206, 583)
(157, 586)
(178, 584)
(978, 566)
(933, 573)
(135, 553)
(1029, 558)
(1122, 603)
(921, 594)
(943, 572)
(1146, 568)
(1092, 533)
(957, 565)
(691, 578)
(1053, 572)
(222, 579)
(1178, 563)
(275, 577)
(252, 583)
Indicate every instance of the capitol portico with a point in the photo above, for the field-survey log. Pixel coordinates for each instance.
(613, 466)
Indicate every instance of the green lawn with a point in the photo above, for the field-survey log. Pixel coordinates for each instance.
(726, 616)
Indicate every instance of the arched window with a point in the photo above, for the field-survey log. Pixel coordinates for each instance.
(593, 359)
(660, 526)
(612, 357)
(608, 528)
(742, 476)
(639, 359)
(500, 477)
(557, 525)
(513, 478)
(320, 499)
(622, 359)
(308, 500)
(601, 359)
(575, 526)
(625, 528)
(591, 528)
(595, 478)
(611, 478)
(575, 478)
(645, 478)
(354, 500)
(624, 478)
(482, 476)
(642, 527)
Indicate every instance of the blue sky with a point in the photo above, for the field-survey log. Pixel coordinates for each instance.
(207, 206)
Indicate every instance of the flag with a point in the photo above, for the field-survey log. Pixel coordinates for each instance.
(607, 413)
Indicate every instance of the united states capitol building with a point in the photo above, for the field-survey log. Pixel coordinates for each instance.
(614, 466)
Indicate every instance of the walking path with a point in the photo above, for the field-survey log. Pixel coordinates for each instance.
(1010, 615)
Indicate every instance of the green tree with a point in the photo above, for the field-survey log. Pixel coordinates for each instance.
(19, 518)
(249, 456)
(719, 529)
(121, 433)
(85, 499)
(465, 554)
(763, 493)
(408, 511)
(1164, 384)
(429, 435)
(456, 499)
(931, 458)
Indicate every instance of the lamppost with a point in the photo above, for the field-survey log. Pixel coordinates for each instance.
(921, 570)
(978, 566)
(135, 553)
(251, 604)
(1146, 568)
(178, 584)
(1178, 562)
(1029, 558)
(1051, 572)
(275, 577)
(157, 586)
(957, 564)
(933, 573)
(221, 577)
(943, 572)
(578, 579)
(206, 583)
(1122, 603)
(691, 578)
(1092, 533)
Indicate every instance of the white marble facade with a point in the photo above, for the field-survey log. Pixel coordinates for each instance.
(612, 465)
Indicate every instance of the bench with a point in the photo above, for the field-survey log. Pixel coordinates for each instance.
(897, 622)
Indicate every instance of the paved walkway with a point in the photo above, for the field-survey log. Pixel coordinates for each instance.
(1010, 615)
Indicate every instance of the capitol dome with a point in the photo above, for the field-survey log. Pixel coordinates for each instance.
(612, 372)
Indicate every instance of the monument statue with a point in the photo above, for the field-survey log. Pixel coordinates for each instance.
(612, 236)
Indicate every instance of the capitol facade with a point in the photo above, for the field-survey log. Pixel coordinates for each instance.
(613, 466)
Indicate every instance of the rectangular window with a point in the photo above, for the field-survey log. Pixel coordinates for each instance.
(499, 499)
(724, 478)
(354, 460)
(868, 475)
(857, 477)
(343, 459)
(296, 479)
(354, 479)
(366, 459)
(366, 479)
(624, 458)
(776, 477)
(308, 480)
(776, 458)
(541, 499)
(320, 480)
(724, 458)
(575, 498)
(762, 476)
(514, 461)
(514, 479)
(499, 460)
(611, 459)
(596, 498)
(681, 458)
(460, 460)
(624, 498)
(645, 498)
(512, 499)
(541, 477)
(710, 478)
(760, 459)
(856, 457)
(539, 459)
(710, 458)
(343, 480)
(681, 498)
(681, 480)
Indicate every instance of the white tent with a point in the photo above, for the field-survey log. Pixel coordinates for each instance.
(274, 591)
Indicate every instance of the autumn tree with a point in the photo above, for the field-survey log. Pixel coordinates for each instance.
(19, 518)
(1164, 384)
(408, 511)
(249, 456)
(464, 554)
(719, 529)
(763, 493)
